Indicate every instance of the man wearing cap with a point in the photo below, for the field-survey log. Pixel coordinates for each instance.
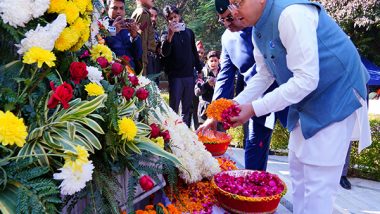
(237, 57)
(322, 80)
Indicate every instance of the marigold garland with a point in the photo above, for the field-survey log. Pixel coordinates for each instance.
(216, 108)
(158, 208)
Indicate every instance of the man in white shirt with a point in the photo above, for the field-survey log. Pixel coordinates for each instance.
(321, 79)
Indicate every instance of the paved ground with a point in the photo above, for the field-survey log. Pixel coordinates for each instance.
(364, 197)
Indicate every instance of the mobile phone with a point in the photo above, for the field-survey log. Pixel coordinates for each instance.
(128, 20)
(179, 27)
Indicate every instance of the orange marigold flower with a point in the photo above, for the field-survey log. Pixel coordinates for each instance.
(141, 212)
(149, 207)
(216, 108)
(212, 136)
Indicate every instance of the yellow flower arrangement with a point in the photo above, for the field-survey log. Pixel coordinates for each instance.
(67, 39)
(76, 161)
(57, 6)
(39, 56)
(71, 11)
(81, 4)
(101, 50)
(82, 26)
(127, 128)
(94, 89)
(12, 129)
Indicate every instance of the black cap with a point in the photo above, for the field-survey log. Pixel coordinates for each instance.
(221, 6)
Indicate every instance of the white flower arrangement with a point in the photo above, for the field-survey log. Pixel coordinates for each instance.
(94, 74)
(197, 162)
(43, 37)
(74, 180)
(19, 12)
(143, 81)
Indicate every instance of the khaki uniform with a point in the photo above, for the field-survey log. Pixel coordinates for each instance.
(142, 17)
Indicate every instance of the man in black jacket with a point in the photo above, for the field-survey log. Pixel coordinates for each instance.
(180, 56)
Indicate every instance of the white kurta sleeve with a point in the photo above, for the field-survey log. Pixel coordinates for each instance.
(297, 27)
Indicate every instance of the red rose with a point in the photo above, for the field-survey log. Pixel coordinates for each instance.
(127, 92)
(78, 71)
(126, 58)
(102, 62)
(155, 130)
(142, 93)
(62, 93)
(165, 134)
(133, 79)
(146, 182)
(117, 68)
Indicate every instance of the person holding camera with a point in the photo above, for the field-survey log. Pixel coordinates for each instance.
(124, 39)
(180, 56)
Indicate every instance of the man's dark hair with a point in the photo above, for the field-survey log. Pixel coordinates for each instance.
(169, 9)
(109, 2)
(156, 9)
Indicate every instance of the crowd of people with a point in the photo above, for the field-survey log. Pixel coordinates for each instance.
(285, 60)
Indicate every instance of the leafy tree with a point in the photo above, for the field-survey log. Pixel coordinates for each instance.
(361, 21)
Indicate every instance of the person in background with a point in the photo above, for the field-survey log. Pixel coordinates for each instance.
(142, 17)
(126, 40)
(180, 57)
(154, 61)
(204, 88)
(322, 80)
(201, 52)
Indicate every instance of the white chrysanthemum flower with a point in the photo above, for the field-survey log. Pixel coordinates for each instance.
(15, 12)
(185, 145)
(74, 180)
(39, 7)
(95, 26)
(43, 37)
(94, 75)
(143, 81)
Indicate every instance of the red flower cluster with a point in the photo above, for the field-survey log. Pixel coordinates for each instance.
(146, 182)
(117, 68)
(133, 79)
(142, 93)
(232, 111)
(102, 61)
(127, 92)
(78, 71)
(62, 94)
(156, 132)
(255, 184)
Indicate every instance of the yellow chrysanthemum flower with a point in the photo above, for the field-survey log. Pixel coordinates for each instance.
(81, 4)
(75, 161)
(57, 6)
(101, 50)
(94, 89)
(127, 128)
(71, 11)
(79, 25)
(39, 55)
(90, 7)
(84, 27)
(160, 142)
(12, 129)
(67, 39)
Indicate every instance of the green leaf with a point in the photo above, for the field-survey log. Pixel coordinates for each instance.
(132, 146)
(36, 133)
(85, 108)
(71, 130)
(8, 199)
(89, 136)
(49, 141)
(92, 124)
(147, 145)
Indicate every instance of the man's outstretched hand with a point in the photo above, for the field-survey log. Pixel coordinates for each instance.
(246, 112)
(208, 124)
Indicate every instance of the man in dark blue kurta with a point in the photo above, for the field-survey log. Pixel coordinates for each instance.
(237, 57)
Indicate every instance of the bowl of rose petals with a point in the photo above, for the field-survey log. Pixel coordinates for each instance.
(222, 110)
(248, 191)
(215, 142)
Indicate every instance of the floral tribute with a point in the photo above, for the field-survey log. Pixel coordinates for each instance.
(222, 110)
(198, 197)
(254, 184)
(158, 208)
(214, 137)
